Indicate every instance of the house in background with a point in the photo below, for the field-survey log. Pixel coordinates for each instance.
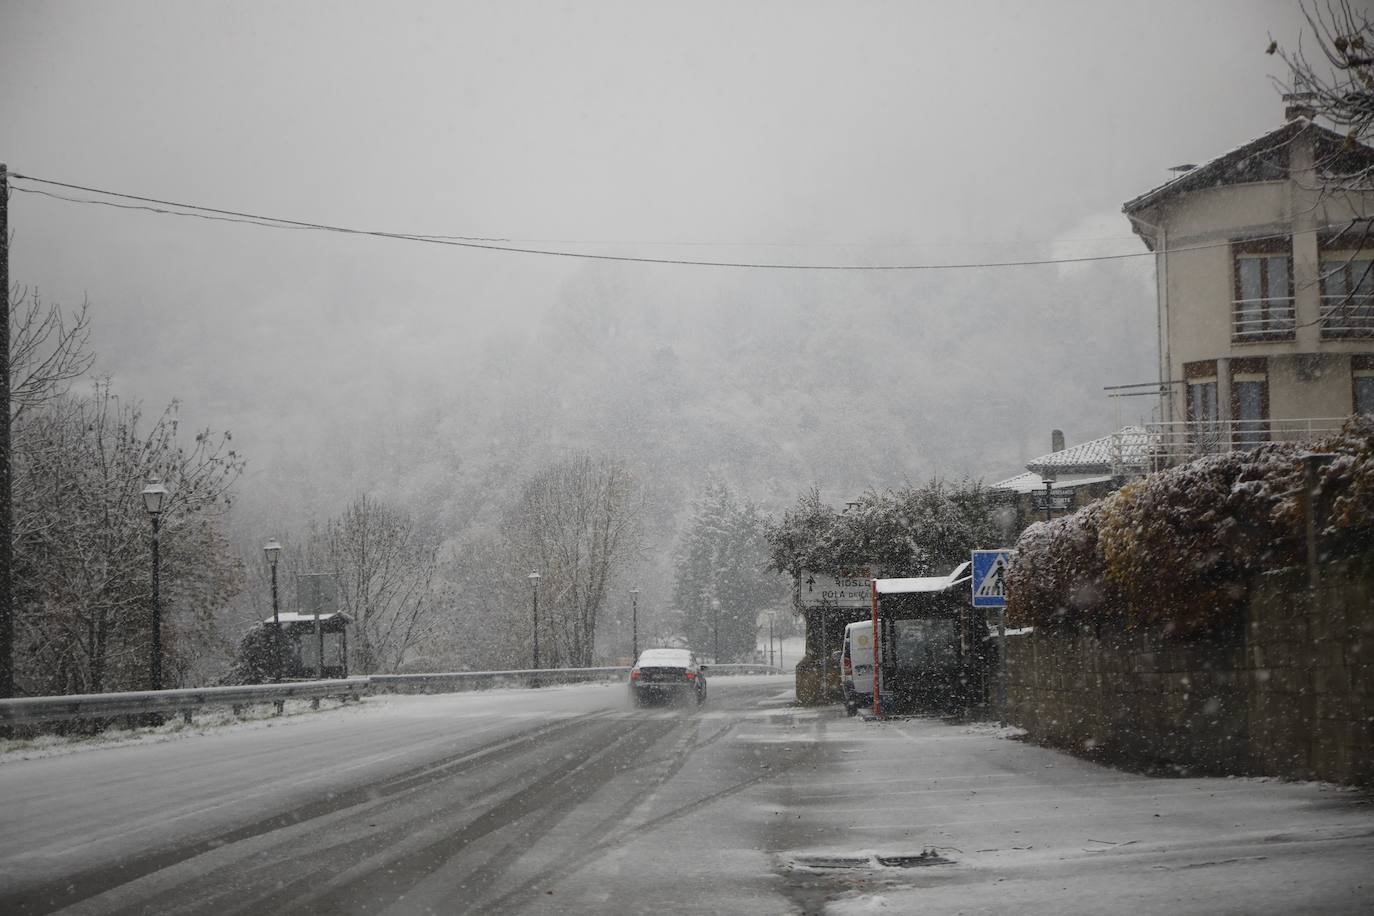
(1076, 475)
(1266, 292)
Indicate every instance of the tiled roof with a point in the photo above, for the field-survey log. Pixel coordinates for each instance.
(1262, 159)
(1129, 448)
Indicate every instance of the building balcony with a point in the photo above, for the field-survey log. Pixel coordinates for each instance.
(1347, 317)
(1256, 320)
(1181, 441)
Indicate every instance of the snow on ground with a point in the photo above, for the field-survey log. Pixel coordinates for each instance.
(218, 720)
(1027, 830)
(814, 805)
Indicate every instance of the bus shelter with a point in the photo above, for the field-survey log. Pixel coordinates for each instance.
(313, 645)
(932, 646)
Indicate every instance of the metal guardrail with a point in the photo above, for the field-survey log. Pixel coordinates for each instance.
(30, 710)
(481, 680)
(744, 668)
(33, 710)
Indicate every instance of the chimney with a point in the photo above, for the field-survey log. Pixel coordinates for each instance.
(1299, 105)
(1056, 440)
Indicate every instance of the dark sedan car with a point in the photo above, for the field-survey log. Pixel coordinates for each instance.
(667, 675)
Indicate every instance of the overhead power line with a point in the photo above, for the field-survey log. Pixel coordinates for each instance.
(197, 211)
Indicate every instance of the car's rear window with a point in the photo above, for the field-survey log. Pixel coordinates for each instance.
(676, 658)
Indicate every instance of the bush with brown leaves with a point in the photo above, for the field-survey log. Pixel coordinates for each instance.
(1178, 549)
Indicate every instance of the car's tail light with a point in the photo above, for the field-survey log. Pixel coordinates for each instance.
(848, 666)
(634, 675)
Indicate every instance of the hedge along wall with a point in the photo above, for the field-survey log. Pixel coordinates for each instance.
(1289, 691)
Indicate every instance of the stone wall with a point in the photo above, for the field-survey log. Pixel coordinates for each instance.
(1289, 693)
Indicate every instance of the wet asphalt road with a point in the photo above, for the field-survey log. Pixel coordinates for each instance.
(572, 801)
(507, 822)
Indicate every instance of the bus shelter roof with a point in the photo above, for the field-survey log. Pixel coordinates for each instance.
(959, 576)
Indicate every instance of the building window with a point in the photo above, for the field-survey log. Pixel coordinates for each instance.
(1203, 433)
(1347, 297)
(1201, 377)
(1250, 401)
(1362, 381)
(1263, 304)
(1202, 400)
(1364, 392)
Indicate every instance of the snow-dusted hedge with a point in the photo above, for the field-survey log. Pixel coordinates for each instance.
(1178, 548)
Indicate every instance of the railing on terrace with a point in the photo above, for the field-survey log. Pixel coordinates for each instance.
(1262, 319)
(1347, 316)
(1181, 441)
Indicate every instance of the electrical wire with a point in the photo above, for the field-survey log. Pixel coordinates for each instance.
(158, 206)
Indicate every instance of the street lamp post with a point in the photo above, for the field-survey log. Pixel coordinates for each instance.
(715, 611)
(1048, 476)
(634, 622)
(271, 549)
(534, 578)
(154, 501)
(770, 640)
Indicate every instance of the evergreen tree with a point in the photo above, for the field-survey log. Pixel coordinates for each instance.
(722, 578)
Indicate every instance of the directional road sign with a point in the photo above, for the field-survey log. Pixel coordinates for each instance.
(816, 590)
(989, 577)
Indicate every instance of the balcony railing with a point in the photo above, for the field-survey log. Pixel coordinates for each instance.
(1262, 319)
(1347, 316)
(1181, 441)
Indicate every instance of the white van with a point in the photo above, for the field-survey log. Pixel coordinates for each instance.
(856, 666)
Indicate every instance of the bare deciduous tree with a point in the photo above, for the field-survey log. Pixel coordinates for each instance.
(385, 565)
(48, 350)
(1337, 83)
(577, 522)
(82, 542)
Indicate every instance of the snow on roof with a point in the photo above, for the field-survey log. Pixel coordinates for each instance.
(1248, 162)
(1129, 447)
(924, 583)
(294, 617)
(1210, 172)
(1031, 482)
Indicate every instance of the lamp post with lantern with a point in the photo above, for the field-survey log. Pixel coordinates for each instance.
(715, 613)
(154, 502)
(634, 622)
(534, 578)
(271, 549)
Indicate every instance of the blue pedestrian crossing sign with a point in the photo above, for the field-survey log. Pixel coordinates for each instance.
(990, 577)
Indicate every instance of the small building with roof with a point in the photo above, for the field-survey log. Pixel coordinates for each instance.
(1076, 475)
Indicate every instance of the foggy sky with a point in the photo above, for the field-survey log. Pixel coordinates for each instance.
(794, 132)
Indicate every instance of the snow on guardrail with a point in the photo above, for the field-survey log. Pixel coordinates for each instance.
(34, 710)
(30, 710)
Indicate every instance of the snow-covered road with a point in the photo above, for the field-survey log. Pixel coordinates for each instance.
(567, 800)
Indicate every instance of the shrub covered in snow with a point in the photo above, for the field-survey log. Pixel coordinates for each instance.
(1350, 480)
(1178, 549)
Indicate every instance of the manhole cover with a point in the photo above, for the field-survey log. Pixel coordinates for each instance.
(927, 857)
(833, 861)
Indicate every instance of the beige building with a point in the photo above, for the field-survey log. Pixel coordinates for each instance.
(1266, 291)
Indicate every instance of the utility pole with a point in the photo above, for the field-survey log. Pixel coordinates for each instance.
(6, 510)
